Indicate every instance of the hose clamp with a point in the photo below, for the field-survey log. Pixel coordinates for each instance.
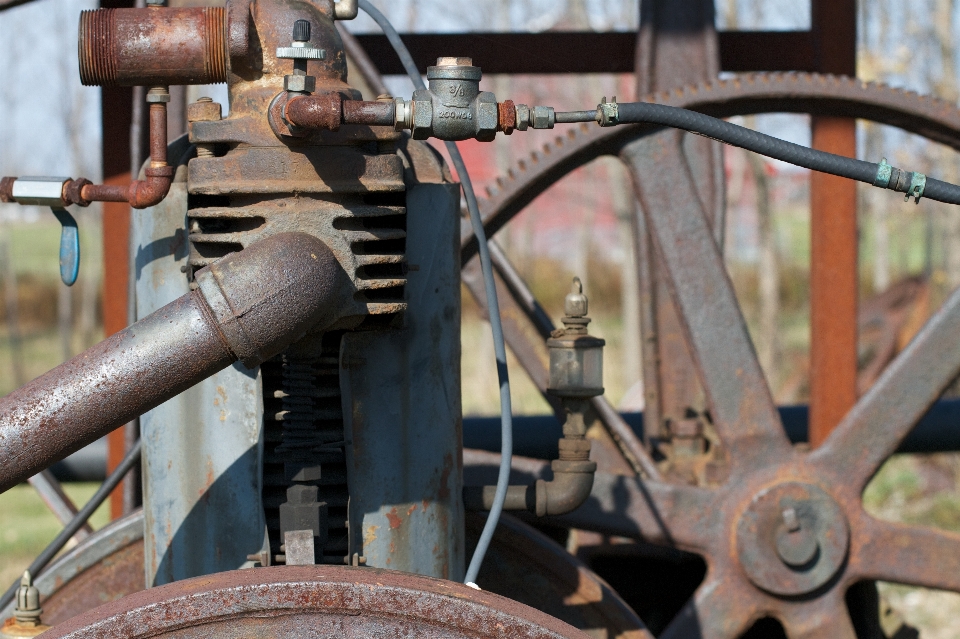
(918, 182)
(884, 170)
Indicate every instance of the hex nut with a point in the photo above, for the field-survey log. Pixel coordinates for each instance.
(523, 117)
(451, 61)
(300, 83)
(204, 111)
(543, 117)
(422, 105)
(487, 116)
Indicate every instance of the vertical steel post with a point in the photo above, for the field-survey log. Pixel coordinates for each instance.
(116, 117)
(833, 259)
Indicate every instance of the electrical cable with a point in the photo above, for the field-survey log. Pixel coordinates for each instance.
(881, 175)
(500, 350)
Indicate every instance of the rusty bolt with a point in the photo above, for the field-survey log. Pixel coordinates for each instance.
(204, 110)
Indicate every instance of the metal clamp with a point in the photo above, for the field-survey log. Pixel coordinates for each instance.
(608, 113)
(918, 182)
(884, 170)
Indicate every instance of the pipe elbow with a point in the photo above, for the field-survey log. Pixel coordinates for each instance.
(568, 490)
(150, 191)
(273, 293)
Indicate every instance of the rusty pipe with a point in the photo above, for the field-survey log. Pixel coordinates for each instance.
(328, 111)
(249, 306)
(572, 479)
(150, 191)
(140, 194)
(158, 45)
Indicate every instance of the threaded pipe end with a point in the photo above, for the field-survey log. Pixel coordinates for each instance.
(97, 48)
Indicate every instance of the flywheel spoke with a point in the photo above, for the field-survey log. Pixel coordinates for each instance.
(716, 611)
(906, 554)
(886, 414)
(741, 405)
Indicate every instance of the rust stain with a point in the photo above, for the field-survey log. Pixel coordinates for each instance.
(394, 518)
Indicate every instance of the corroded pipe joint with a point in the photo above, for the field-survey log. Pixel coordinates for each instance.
(323, 111)
(569, 488)
(152, 190)
(370, 112)
(329, 111)
(73, 192)
(250, 305)
(156, 46)
(256, 313)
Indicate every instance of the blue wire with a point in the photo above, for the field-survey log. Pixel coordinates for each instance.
(499, 347)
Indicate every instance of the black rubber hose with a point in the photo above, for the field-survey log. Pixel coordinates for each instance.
(735, 135)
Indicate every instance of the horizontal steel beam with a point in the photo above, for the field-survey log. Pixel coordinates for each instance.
(586, 51)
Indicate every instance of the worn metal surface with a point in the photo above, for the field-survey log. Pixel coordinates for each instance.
(153, 46)
(301, 601)
(677, 45)
(105, 386)
(526, 328)
(401, 406)
(523, 565)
